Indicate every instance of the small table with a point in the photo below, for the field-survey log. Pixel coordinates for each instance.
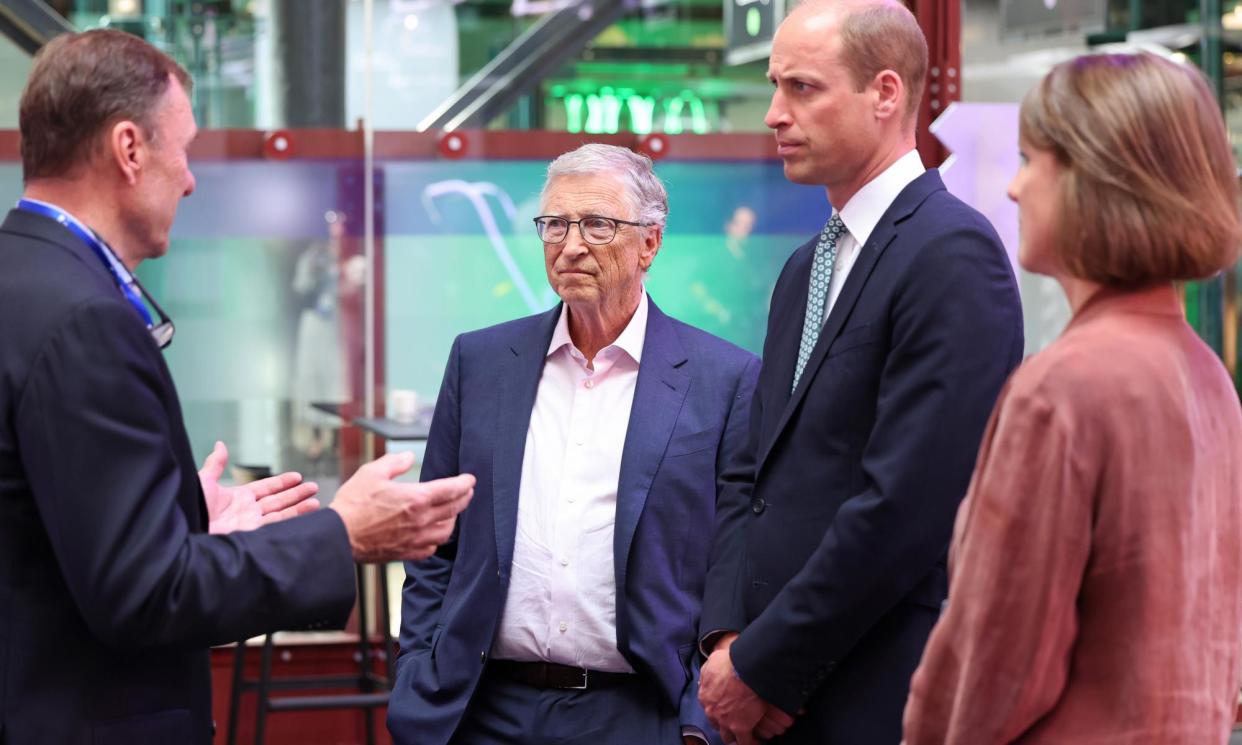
(391, 429)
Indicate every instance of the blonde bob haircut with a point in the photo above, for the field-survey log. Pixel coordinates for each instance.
(1150, 189)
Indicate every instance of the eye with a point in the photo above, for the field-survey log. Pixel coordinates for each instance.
(596, 223)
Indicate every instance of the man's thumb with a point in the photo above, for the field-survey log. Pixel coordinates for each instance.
(394, 464)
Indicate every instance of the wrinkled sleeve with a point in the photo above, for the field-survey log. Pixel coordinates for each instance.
(998, 659)
(95, 425)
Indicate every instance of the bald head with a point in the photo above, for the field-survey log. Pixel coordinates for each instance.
(875, 35)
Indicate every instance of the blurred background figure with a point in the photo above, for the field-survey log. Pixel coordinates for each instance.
(1095, 591)
(319, 376)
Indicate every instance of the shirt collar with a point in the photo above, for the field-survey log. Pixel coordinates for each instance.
(863, 212)
(630, 341)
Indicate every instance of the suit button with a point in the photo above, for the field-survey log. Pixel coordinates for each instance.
(483, 656)
(757, 505)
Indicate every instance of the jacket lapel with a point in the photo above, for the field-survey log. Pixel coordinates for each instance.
(519, 381)
(658, 396)
(789, 334)
(885, 232)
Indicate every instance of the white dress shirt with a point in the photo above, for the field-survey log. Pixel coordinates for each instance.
(863, 212)
(562, 600)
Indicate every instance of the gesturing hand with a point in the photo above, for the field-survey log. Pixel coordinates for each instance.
(252, 505)
(389, 520)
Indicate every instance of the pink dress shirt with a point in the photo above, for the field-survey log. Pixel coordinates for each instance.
(562, 601)
(1095, 591)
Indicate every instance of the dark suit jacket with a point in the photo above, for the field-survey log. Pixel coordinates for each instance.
(837, 572)
(688, 419)
(110, 592)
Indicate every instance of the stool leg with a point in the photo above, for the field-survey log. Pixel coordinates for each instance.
(364, 658)
(239, 664)
(364, 602)
(390, 646)
(260, 705)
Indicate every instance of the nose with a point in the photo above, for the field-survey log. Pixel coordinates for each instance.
(777, 115)
(1012, 190)
(190, 183)
(574, 245)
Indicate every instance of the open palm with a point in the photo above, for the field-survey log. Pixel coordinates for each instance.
(253, 505)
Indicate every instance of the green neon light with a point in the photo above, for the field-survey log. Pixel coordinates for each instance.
(642, 113)
(602, 112)
(595, 115)
(672, 115)
(612, 112)
(754, 21)
(573, 112)
(698, 116)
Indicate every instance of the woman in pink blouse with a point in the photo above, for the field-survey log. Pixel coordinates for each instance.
(1096, 566)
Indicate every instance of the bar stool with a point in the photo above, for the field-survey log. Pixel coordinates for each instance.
(370, 690)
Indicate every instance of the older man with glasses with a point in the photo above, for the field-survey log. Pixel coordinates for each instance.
(565, 607)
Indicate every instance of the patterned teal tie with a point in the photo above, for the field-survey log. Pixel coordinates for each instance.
(817, 294)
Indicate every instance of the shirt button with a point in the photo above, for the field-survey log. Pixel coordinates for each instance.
(564, 562)
(589, 383)
(563, 627)
(570, 500)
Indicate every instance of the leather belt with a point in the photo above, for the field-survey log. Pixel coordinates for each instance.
(555, 675)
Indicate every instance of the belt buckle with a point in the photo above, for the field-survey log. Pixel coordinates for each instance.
(582, 687)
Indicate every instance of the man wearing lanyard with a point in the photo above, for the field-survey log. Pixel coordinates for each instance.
(111, 587)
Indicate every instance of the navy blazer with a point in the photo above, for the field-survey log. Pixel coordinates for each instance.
(110, 590)
(837, 572)
(688, 419)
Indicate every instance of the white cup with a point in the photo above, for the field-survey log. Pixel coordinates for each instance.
(403, 405)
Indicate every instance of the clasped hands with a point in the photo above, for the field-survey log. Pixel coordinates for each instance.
(732, 707)
(385, 519)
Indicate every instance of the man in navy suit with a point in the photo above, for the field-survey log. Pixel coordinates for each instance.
(111, 588)
(889, 337)
(566, 608)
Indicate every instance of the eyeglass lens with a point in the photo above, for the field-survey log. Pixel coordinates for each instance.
(593, 229)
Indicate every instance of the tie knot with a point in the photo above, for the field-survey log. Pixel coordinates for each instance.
(833, 229)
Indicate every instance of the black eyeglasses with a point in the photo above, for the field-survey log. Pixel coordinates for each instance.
(594, 229)
(163, 331)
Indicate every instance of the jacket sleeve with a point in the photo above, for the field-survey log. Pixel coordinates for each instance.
(426, 581)
(734, 477)
(94, 424)
(735, 469)
(956, 334)
(692, 714)
(998, 659)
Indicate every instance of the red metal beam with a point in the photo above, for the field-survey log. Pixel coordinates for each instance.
(244, 144)
(941, 21)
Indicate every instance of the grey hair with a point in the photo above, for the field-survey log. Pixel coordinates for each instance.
(645, 192)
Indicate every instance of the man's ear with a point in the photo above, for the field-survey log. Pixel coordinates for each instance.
(126, 148)
(651, 246)
(890, 93)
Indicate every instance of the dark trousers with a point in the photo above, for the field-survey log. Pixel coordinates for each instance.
(504, 712)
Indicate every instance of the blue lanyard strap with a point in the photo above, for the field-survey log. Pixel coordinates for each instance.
(124, 280)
